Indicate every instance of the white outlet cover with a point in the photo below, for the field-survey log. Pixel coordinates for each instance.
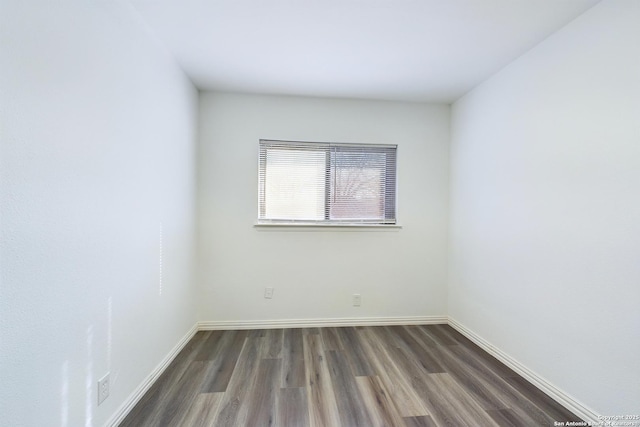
(357, 300)
(103, 388)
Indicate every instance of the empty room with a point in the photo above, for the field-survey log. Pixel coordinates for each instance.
(319, 213)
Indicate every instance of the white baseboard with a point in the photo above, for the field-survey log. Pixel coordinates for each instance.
(146, 384)
(552, 391)
(317, 323)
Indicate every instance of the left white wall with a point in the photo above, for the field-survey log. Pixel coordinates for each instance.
(97, 208)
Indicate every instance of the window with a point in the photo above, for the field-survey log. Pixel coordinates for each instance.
(326, 183)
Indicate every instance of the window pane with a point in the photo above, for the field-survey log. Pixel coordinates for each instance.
(358, 185)
(326, 183)
(294, 184)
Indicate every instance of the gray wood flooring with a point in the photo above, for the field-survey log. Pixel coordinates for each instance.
(323, 377)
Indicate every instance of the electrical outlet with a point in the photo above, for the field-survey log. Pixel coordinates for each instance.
(357, 300)
(268, 293)
(103, 388)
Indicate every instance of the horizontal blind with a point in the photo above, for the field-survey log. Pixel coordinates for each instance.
(326, 183)
(363, 183)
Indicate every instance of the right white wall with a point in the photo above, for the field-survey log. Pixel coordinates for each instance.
(545, 209)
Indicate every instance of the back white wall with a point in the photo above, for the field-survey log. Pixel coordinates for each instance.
(545, 224)
(399, 272)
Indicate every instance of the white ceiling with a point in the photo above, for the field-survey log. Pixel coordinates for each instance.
(414, 50)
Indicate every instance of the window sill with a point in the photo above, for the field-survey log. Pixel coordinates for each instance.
(318, 227)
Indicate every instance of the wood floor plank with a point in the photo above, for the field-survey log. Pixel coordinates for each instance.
(427, 387)
(450, 404)
(457, 336)
(356, 354)
(203, 411)
(293, 371)
(273, 343)
(419, 350)
(379, 403)
(484, 393)
(401, 355)
(437, 335)
(331, 339)
(420, 334)
(235, 405)
(477, 353)
(323, 409)
(528, 412)
(181, 395)
(211, 346)
(262, 409)
(407, 400)
(220, 364)
(425, 421)
(292, 408)
(541, 400)
(351, 408)
(507, 418)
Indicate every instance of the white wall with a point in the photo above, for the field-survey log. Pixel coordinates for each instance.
(97, 150)
(314, 273)
(545, 224)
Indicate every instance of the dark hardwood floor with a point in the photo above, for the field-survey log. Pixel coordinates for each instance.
(365, 376)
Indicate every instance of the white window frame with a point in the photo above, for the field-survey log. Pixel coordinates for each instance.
(391, 161)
